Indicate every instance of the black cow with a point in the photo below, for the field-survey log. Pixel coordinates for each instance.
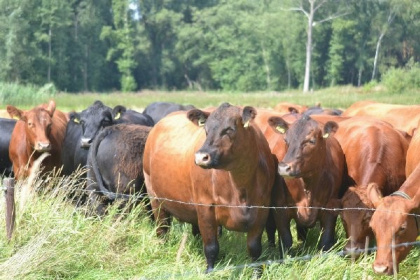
(122, 115)
(158, 110)
(83, 127)
(115, 164)
(6, 128)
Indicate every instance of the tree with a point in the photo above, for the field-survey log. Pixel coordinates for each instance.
(310, 9)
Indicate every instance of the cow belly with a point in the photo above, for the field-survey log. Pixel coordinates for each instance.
(240, 219)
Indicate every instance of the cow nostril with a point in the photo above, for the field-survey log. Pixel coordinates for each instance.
(202, 159)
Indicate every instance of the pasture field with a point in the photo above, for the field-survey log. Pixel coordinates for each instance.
(54, 240)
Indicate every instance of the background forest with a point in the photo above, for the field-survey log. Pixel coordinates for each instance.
(226, 45)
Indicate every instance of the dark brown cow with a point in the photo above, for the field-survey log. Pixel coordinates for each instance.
(38, 130)
(233, 166)
(394, 214)
(317, 158)
(375, 153)
(402, 117)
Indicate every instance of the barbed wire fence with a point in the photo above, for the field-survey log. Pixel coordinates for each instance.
(9, 189)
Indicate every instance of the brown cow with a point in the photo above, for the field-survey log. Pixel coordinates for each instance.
(316, 157)
(393, 215)
(38, 130)
(287, 107)
(289, 192)
(233, 166)
(402, 117)
(375, 153)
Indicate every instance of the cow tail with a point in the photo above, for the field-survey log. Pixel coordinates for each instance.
(93, 151)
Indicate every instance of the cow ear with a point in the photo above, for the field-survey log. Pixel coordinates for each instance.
(330, 128)
(15, 113)
(374, 194)
(118, 111)
(197, 116)
(51, 107)
(293, 110)
(278, 124)
(248, 114)
(74, 117)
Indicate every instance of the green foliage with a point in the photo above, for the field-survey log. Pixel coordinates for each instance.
(235, 45)
(26, 95)
(399, 80)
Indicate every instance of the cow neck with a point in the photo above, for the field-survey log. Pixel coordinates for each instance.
(247, 163)
(407, 197)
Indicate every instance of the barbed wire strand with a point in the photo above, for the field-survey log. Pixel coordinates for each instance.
(307, 257)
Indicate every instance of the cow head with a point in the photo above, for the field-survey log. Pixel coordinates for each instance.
(356, 221)
(392, 219)
(38, 122)
(225, 129)
(92, 120)
(306, 145)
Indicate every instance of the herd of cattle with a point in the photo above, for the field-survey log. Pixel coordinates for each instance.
(241, 168)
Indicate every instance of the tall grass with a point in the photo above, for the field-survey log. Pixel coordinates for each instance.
(55, 240)
(26, 95)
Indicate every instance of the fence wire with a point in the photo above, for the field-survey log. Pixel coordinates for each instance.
(259, 264)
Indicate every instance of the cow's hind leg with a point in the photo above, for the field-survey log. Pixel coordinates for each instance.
(162, 218)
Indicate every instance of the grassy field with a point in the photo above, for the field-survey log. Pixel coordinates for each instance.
(54, 240)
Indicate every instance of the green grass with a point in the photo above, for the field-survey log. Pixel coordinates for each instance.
(337, 97)
(53, 240)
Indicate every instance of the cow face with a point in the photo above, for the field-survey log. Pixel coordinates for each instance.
(392, 224)
(306, 145)
(225, 128)
(356, 222)
(38, 122)
(92, 120)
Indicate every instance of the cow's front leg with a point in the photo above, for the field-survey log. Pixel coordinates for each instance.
(208, 229)
(328, 222)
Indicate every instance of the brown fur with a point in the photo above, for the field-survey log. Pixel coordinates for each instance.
(25, 139)
(402, 117)
(243, 176)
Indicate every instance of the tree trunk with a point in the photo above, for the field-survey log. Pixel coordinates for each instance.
(309, 49)
(359, 76)
(49, 55)
(267, 67)
(375, 61)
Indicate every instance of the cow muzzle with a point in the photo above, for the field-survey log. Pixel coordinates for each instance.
(203, 159)
(382, 269)
(285, 170)
(43, 146)
(85, 142)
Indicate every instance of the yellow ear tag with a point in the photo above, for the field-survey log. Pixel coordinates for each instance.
(246, 124)
(326, 135)
(117, 116)
(280, 129)
(76, 120)
(201, 122)
(418, 238)
(16, 118)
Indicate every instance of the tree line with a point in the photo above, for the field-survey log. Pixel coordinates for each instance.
(233, 45)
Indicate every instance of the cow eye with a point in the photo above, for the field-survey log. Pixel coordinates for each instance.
(227, 131)
(312, 141)
(106, 122)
